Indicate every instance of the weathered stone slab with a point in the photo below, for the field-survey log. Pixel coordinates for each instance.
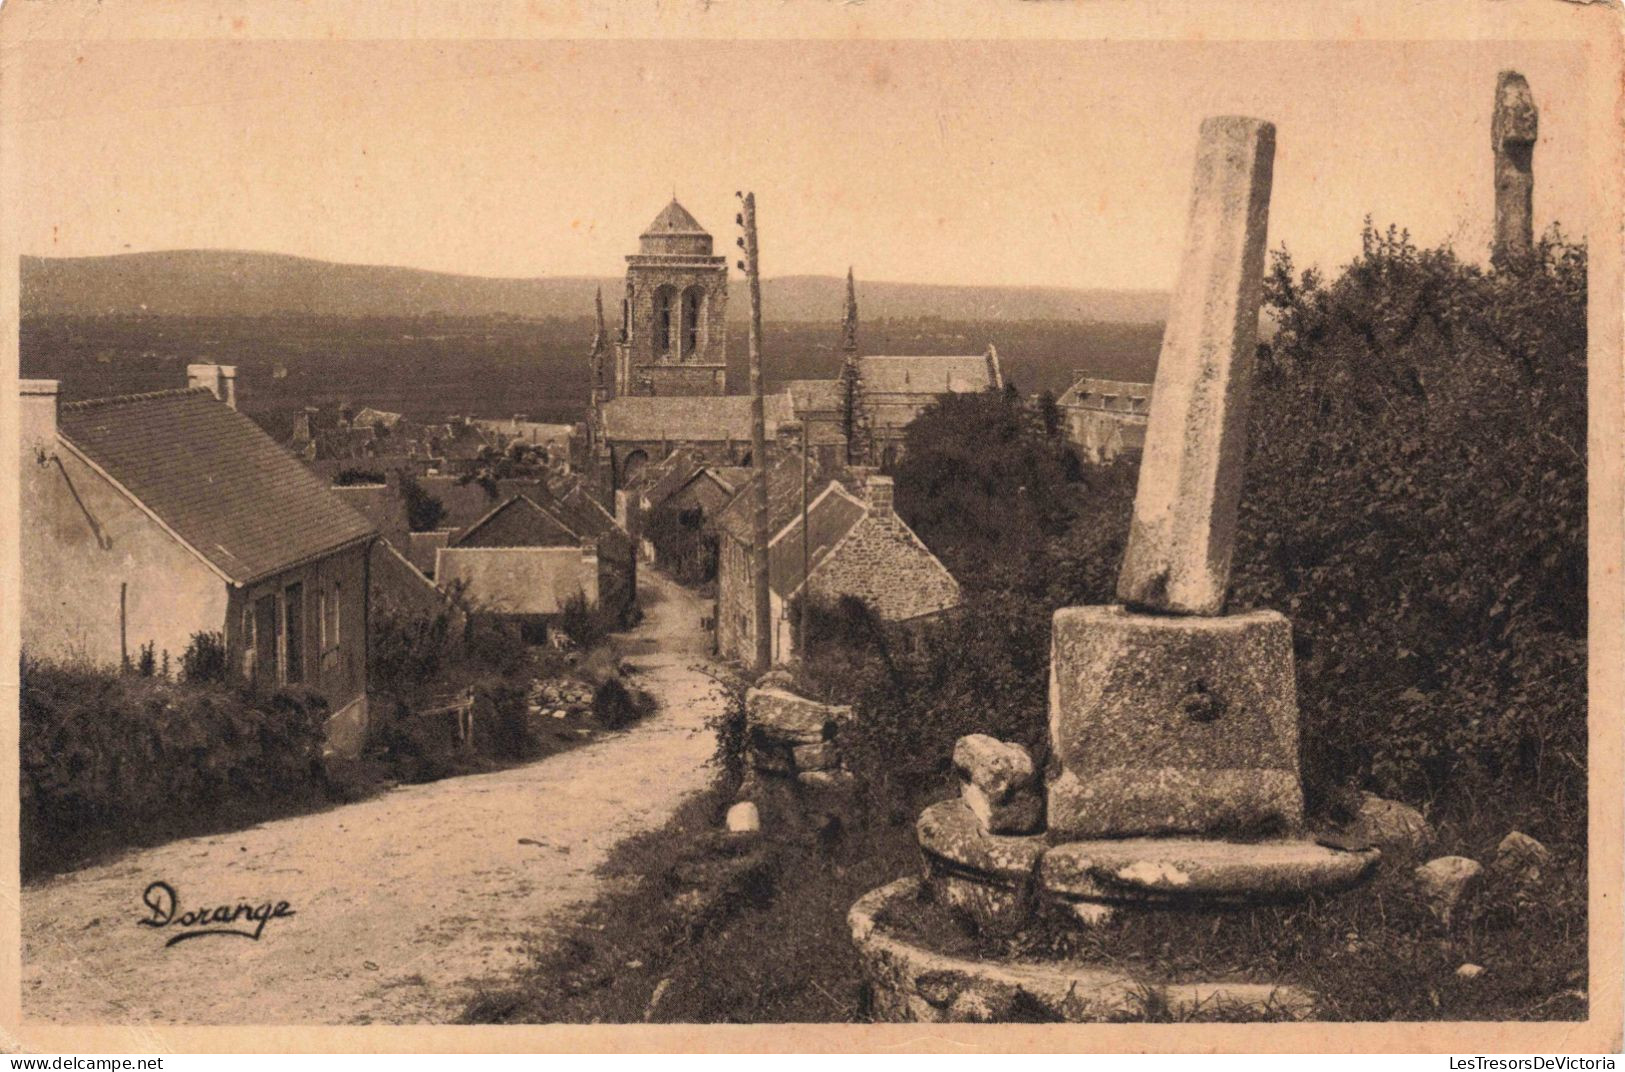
(1156, 869)
(1183, 531)
(1172, 725)
(794, 719)
(821, 756)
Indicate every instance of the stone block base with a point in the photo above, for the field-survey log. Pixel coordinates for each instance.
(1172, 725)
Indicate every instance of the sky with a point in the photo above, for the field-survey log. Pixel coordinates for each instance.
(1017, 162)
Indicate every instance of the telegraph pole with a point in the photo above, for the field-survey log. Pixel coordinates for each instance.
(758, 440)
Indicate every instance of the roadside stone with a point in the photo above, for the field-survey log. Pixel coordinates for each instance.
(812, 757)
(786, 716)
(997, 768)
(1469, 971)
(1020, 813)
(823, 779)
(1397, 829)
(1444, 881)
(743, 818)
(1520, 858)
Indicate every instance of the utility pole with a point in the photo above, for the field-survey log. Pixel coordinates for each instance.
(806, 553)
(758, 440)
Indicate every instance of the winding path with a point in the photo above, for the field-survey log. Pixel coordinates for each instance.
(403, 905)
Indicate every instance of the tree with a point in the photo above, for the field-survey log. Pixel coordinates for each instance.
(424, 511)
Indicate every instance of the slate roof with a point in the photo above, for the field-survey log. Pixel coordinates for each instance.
(927, 375)
(524, 523)
(674, 219)
(783, 499)
(690, 418)
(830, 517)
(1090, 392)
(585, 514)
(212, 476)
(733, 477)
(663, 479)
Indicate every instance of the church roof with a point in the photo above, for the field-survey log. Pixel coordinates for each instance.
(928, 375)
(674, 219)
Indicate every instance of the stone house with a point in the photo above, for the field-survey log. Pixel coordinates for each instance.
(522, 522)
(857, 547)
(150, 518)
(1105, 418)
(525, 586)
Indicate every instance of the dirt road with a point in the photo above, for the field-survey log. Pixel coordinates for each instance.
(401, 905)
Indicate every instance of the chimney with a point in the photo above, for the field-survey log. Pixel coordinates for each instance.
(37, 413)
(221, 380)
(879, 490)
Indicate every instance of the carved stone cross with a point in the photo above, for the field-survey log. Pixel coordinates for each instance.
(1512, 135)
(1183, 533)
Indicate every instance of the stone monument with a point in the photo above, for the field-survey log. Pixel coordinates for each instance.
(1174, 727)
(1513, 130)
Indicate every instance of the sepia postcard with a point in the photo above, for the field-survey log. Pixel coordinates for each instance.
(812, 526)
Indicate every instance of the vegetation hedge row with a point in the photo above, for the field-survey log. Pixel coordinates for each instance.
(1415, 503)
(105, 750)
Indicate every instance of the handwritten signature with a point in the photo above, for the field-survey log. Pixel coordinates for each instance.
(164, 905)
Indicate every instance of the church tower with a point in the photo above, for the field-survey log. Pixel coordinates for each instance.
(673, 338)
(854, 426)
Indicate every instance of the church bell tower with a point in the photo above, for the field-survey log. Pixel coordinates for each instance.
(673, 339)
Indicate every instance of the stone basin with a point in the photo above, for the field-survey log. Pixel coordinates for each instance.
(1140, 870)
(912, 981)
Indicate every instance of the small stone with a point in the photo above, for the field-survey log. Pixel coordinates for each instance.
(1469, 971)
(743, 818)
(1445, 880)
(825, 779)
(822, 756)
(1021, 813)
(558, 713)
(993, 766)
(786, 716)
(654, 999)
(1520, 856)
(1397, 829)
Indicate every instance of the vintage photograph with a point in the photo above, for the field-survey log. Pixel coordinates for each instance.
(731, 529)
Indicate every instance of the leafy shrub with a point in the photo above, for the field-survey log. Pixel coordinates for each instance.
(101, 750)
(615, 707)
(204, 661)
(1416, 504)
(352, 476)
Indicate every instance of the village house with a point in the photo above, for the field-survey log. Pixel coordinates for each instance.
(148, 519)
(1105, 418)
(857, 547)
(522, 524)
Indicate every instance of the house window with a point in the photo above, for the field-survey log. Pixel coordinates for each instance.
(335, 603)
(247, 642)
(321, 621)
(266, 636)
(293, 634)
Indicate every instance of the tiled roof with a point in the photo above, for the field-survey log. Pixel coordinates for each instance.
(209, 473)
(586, 514)
(925, 375)
(733, 477)
(690, 419)
(830, 517)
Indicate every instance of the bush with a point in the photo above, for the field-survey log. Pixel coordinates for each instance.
(105, 751)
(204, 661)
(615, 707)
(353, 476)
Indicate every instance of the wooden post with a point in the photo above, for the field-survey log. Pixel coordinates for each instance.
(806, 550)
(758, 446)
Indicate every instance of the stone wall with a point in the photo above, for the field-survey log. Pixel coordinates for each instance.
(735, 606)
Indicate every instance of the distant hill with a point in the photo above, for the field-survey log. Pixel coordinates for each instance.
(234, 283)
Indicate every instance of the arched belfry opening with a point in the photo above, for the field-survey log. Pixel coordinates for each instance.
(693, 326)
(665, 314)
